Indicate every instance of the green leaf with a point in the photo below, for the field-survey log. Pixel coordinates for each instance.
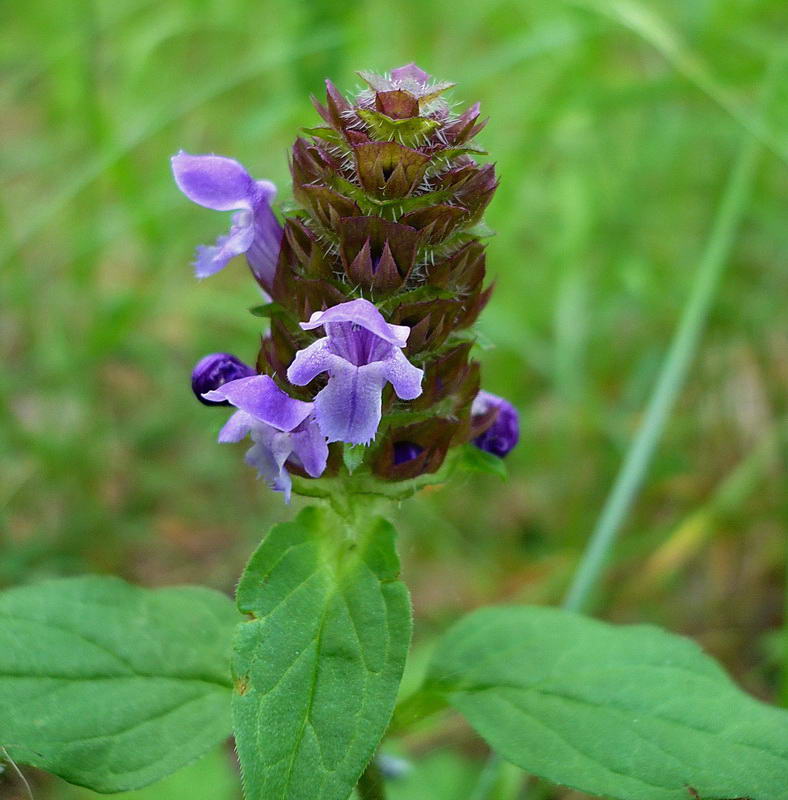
(353, 456)
(270, 311)
(213, 777)
(476, 460)
(111, 686)
(318, 666)
(630, 712)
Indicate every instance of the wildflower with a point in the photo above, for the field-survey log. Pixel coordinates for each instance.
(223, 184)
(361, 352)
(283, 429)
(384, 249)
(504, 431)
(213, 371)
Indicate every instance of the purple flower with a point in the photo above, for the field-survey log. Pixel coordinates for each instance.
(282, 428)
(504, 432)
(410, 73)
(361, 352)
(224, 185)
(215, 370)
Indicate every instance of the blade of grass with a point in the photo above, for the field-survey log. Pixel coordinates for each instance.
(783, 698)
(692, 533)
(671, 377)
(488, 778)
(653, 29)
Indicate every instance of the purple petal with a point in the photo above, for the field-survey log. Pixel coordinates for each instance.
(212, 258)
(410, 72)
(263, 252)
(403, 376)
(310, 448)
(214, 181)
(361, 353)
(364, 314)
(236, 428)
(224, 185)
(268, 455)
(357, 345)
(260, 397)
(348, 409)
(311, 361)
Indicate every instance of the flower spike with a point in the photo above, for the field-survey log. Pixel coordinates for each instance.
(376, 278)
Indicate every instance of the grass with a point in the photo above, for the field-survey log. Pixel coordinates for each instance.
(613, 125)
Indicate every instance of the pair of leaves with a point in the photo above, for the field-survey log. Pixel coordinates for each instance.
(628, 712)
(111, 686)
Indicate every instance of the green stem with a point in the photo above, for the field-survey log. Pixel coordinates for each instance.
(670, 380)
(370, 785)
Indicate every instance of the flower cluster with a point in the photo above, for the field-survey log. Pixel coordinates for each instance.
(372, 283)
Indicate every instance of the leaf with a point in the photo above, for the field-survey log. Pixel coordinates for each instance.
(271, 310)
(213, 776)
(631, 712)
(475, 459)
(353, 456)
(111, 686)
(318, 666)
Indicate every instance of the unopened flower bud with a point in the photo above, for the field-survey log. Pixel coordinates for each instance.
(504, 432)
(215, 370)
(406, 451)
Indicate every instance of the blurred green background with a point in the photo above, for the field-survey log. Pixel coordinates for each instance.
(614, 126)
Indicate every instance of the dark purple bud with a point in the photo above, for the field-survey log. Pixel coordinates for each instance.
(504, 432)
(406, 451)
(214, 371)
(412, 450)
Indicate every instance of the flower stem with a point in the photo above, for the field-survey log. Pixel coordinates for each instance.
(370, 785)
